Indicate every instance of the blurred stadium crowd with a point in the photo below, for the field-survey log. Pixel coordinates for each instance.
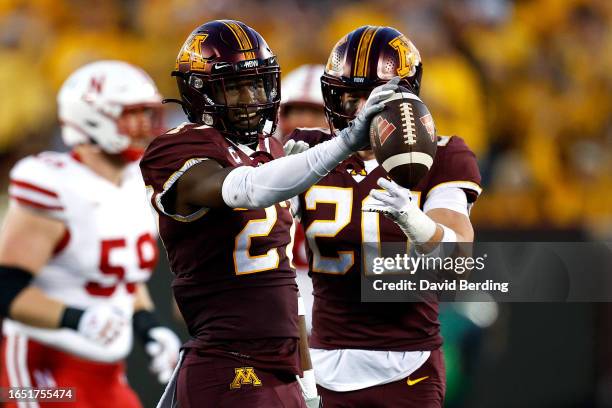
(528, 83)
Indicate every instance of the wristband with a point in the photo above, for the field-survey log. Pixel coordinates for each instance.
(449, 234)
(416, 224)
(71, 318)
(142, 322)
(14, 280)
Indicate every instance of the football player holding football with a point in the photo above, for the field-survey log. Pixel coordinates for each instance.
(221, 188)
(372, 354)
(78, 244)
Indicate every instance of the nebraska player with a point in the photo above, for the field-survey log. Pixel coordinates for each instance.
(78, 243)
(369, 354)
(302, 101)
(220, 187)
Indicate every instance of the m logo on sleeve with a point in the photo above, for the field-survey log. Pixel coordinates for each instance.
(245, 376)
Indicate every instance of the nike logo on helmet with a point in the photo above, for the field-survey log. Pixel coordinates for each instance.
(221, 65)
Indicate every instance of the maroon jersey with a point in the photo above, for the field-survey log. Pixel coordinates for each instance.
(234, 282)
(336, 229)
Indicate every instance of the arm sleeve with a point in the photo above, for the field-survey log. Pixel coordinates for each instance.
(283, 178)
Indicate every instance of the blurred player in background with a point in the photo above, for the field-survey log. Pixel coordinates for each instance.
(220, 186)
(78, 244)
(302, 100)
(369, 354)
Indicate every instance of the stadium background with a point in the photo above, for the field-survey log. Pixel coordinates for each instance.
(527, 83)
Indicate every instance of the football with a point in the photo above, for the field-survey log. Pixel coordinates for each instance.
(403, 138)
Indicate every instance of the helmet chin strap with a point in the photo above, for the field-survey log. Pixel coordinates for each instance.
(129, 155)
(248, 136)
(132, 154)
(267, 127)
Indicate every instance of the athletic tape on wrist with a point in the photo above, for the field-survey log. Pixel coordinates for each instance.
(308, 384)
(301, 307)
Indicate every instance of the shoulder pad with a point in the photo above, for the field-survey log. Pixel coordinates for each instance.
(36, 184)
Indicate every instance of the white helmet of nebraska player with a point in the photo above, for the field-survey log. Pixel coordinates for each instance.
(94, 97)
(302, 86)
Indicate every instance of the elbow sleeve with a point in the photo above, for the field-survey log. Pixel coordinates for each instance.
(14, 280)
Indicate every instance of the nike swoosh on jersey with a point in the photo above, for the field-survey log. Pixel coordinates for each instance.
(418, 380)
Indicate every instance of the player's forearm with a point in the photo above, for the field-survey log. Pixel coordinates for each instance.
(307, 381)
(281, 179)
(34, 308)
(305, 360)
(445, 234)
(452, 227)
(28, 304)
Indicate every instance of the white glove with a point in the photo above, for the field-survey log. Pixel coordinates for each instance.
(315, 402)
(295, 147)
(102, 323)
(164, 352)
(356, 134)
(396, 203)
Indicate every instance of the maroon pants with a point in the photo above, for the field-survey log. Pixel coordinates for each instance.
(415, 391)
(219, 382)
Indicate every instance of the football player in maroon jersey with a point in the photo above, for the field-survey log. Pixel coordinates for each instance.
(372, 354)
(221, 188)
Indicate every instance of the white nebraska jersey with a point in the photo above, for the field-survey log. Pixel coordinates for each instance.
(109, 245)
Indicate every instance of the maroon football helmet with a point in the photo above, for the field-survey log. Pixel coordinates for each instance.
(362, 60)
(216, 60)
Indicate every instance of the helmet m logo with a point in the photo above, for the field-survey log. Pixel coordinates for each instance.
(245, 376)
(192, 52)
(96, 84)
(408, 55)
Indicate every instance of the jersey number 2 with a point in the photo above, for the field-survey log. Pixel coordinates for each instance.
(244, 262)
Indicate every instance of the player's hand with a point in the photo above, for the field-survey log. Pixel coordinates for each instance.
(102, 324)
(163, 348)
(295, 147)
(394, 201)
(356, 134)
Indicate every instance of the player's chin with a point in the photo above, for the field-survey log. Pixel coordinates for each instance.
(247, 124)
